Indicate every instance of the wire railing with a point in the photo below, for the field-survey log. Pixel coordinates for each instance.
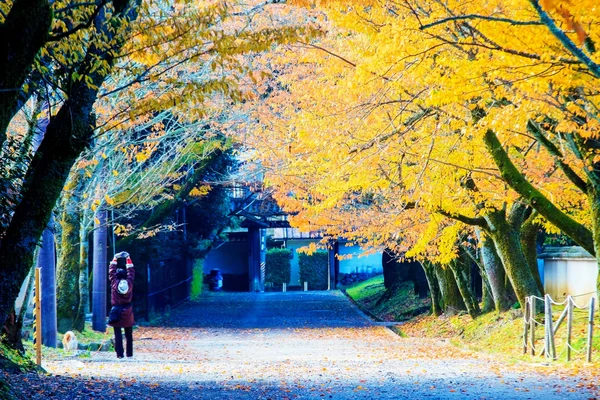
(533, 317)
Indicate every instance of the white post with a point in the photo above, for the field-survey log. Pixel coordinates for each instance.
(526, 325)
(590, 330)
(569, 325)
(533, 311)
(305, 286)
(284, 287)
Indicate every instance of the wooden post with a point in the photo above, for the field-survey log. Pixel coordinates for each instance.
(38, 318)
(552, 348)
(533, 312)
(526, 325)
(284, 287)
(305, 286)
(590, 330)
(569, 325)
(560, 320)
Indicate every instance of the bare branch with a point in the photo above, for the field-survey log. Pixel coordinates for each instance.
(476, 16)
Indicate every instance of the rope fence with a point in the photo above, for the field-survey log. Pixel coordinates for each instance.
(534, 317)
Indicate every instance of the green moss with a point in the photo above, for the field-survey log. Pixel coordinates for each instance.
(197, 280)
(12, 361)
(372, 287)
(402, 305)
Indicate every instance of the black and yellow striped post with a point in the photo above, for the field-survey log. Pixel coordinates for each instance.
(37, 319)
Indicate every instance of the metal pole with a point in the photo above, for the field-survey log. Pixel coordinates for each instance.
(590, 330)
(262, 258)
(38, 318)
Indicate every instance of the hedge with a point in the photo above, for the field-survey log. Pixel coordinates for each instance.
(278, 268)
(313, 269)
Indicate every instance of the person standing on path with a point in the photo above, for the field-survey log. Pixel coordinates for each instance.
(121, 274)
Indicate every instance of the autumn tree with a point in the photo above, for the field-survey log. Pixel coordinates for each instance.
(408, 98)
(75, 48)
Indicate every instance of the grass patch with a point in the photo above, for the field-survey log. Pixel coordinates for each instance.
(367, 291)
(500, 334)
(89, 335)
(402, 305)
(12, 361)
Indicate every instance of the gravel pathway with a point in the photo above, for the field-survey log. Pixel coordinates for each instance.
(292, 345)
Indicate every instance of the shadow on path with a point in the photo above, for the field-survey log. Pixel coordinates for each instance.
(269, 310)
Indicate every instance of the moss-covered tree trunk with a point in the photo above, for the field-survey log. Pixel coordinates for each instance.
(452, 300)
(487, 300)
(507, 242)
(68, 133)
(517, 181)
(83, 287)
(529, 234)
(461, 269)
(434, 289)
(494, 271)
(67, 272)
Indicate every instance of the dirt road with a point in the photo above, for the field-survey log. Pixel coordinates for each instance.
(294, 346)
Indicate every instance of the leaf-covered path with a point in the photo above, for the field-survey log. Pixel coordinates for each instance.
(295, 345)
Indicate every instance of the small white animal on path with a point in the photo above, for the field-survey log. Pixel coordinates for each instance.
(69, 341)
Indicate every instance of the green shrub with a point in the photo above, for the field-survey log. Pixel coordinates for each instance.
(313, 269)
(197, 280)
(278, 268)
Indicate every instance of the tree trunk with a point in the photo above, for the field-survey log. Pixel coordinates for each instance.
(391, 269)
(68, 262)
(84, 293)
(460, 270)
(67, 135)
(434, 289)
(13, 326)
(487, 299)
(516, 180)
(24, 31)
(452, 300)
(11, 331)
(529, 234)
(594, 200)
(494, 270)
(508, 245)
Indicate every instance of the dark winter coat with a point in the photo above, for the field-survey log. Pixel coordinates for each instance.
(119, 299)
